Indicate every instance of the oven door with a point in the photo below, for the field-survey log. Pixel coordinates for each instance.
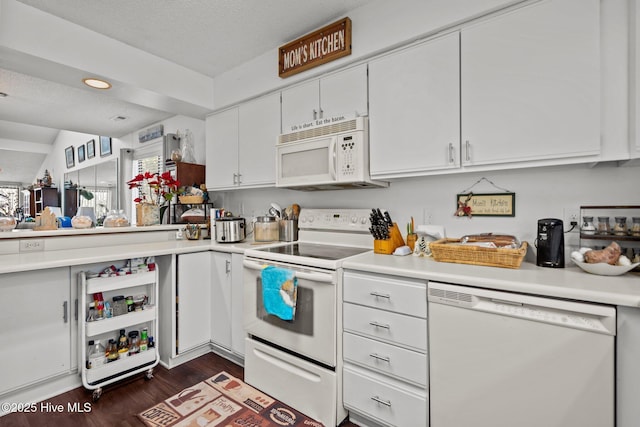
(312, 332)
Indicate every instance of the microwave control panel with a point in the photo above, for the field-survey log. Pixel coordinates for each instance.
(349, 154)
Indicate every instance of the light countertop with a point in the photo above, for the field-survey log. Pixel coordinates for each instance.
(570, 282)
(27, 261)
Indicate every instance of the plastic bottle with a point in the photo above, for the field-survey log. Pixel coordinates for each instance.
(123, 345)
(134, 343)
(96, 356)
(144, 340)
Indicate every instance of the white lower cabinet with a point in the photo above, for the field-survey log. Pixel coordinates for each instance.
(209, 301)
(385, 379)
(221, 299)
(193, 299)
(35, 314)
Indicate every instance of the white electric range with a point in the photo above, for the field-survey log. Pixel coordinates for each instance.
(300, 361)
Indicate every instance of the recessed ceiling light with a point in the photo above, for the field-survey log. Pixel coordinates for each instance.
(96, 83)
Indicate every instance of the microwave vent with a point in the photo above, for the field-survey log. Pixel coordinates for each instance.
(344, 126)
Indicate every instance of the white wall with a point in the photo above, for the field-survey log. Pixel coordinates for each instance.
(540, 193)
(173, 125)
(56, 163)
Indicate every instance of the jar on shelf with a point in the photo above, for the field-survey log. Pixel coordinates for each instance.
(635, 226)
(603, 225)
(116, 218)
(620, 226)
(587, 226)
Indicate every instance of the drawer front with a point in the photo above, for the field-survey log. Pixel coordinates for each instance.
(384, 401)
(400, 296)
(402, 363)
(383, 325)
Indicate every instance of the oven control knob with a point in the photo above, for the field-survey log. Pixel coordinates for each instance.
(310, 219)
(303, 219)
(363, 220)
(354, 219)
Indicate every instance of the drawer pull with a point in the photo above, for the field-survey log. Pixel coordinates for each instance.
(378, 295)
(384, 402)
(383, 358)
(380, 325)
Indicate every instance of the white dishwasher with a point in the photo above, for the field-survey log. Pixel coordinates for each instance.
(500, 359)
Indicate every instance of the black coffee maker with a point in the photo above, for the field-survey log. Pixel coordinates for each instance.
(550, 243)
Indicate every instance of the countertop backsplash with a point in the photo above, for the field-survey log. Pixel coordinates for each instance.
(540, 193)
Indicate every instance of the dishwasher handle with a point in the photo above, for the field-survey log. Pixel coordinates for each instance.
(584, 316)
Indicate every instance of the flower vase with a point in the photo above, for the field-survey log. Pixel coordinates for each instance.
(147, 214)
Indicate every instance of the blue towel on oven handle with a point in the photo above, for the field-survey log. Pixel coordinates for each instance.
(279, 291)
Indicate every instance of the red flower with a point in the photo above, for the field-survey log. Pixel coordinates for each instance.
(154, 188)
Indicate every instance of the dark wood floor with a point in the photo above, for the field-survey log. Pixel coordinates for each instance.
(120, 402)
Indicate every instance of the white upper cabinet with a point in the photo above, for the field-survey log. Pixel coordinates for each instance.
(259, 130)
(222, 149)
(531, 84)
(414, 109)
(319, 101)
(241, 144)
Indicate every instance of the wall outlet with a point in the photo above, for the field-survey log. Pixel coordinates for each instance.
(427, 216)
(32, 245)
(571, 215)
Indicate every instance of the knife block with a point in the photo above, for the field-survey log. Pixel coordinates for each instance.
(389, 245)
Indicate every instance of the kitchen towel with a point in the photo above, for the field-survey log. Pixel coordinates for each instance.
(279, 291)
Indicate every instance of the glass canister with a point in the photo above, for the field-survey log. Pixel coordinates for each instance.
(266, 229)
(603, 225)
(587, 226)
(116, 218)
(620, 227)
(635, 226)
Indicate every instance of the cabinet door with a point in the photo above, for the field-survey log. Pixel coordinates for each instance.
(35, 330)
(221, 299)
(222, 149)
(193, 290)
(344, 94)
(258, 135)
(300, 106)
(414, 124)
(237, 306)
(531, 84)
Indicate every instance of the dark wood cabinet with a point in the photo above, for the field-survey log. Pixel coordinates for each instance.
(41, 197)
(70, 202)
(190, 173)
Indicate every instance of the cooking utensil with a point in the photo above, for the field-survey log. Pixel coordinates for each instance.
(275, 210)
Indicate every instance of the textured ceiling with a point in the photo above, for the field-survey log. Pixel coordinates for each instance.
(206, 36)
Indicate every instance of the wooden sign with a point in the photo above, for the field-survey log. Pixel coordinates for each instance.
(490, 204)
(324, 45)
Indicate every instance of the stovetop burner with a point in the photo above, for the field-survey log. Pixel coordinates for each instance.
(314, 250)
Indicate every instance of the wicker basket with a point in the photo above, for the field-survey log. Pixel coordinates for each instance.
(190, 200)
(446, 250)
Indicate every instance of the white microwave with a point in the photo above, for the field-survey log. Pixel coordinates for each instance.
(326, 157)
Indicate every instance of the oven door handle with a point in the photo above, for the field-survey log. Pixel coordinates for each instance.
(316, 277)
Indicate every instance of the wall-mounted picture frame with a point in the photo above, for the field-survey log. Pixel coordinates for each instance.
(91, 149)
(105, 146)
(489, 204)
(81, 154)
(69, 156)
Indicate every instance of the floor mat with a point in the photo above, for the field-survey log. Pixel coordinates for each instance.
(223, 400)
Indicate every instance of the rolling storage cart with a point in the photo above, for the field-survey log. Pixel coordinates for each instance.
(142, 283)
